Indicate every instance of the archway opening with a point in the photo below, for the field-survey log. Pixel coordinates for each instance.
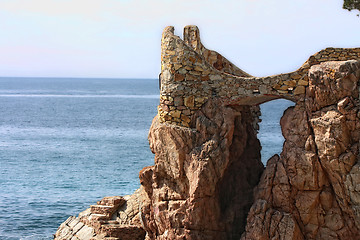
(270, 135)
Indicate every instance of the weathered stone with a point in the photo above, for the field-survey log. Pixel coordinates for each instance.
(185, 118)
(318, 157)
(302, 82)
(204, 211)
(205, 78)
(299, 90)
(191, 59)
(291, 83)
(175, 113)
(187, 112)
(183, 71)
(200, 99)
(178, 101)
(284, 87)
(179, 77)
(198, 69)
(207, 183)
(170, 52)
(295, 76)
(85, 233)
(189, 101)
(177, 66)
(91, 226)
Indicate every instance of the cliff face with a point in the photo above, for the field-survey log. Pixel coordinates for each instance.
(202, 182)
(311, 191)
(208, 181)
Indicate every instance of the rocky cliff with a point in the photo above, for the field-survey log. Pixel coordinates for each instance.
(311, 191)
(208, 182)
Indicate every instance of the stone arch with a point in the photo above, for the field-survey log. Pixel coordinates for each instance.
(208, 116)
(191, 74)
(216, 104)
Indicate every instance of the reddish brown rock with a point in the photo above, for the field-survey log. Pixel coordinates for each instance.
(310, 182)
(202, 181)
(207, 181)
(112, 218)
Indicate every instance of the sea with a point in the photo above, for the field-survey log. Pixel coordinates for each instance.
(65, 143)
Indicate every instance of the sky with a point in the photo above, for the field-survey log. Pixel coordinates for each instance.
(121, 38)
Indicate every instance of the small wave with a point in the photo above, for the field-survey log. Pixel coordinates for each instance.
(79, 96)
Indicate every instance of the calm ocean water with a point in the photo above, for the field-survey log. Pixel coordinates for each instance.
(66, 143)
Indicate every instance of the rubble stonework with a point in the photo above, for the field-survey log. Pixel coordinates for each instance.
(208, 181)
(190, 74)
(311, 191)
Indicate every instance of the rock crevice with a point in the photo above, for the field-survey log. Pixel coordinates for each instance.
(208, 182)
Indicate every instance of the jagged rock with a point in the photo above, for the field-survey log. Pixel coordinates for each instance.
(202, 181)
(313, 181)
(112, 218)
(208, 181)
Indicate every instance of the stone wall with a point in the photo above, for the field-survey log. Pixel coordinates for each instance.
(311, 191)
(208, 181)
(190, 74)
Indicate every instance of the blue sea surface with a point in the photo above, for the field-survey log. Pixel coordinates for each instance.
(66, 143)
(270, 134)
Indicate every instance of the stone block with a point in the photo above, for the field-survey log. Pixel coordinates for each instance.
(73, 223)
(215, 77)
(295, 76)
(290, 83)
(185, 118)
(299, 90)
(175, 113)
(195, 73)
(177, 66)
(178, 101)
(303, 82)
(187, 112)
(200, 99)
(190, 77)
(283, 87)
(276, 86)
(205, 78)
(85, 232)
(192, 59)
(77, 227)
(179, 77)
(183, 71)
(169, 52)
(167, 117)
(199, 69)
(189, 101)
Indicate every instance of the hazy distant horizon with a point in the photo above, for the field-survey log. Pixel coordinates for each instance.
(121, 38)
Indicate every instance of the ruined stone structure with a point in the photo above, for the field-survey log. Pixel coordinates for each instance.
(208, 181)
(190, 74)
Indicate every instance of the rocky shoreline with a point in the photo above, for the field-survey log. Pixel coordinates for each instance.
(208, 181)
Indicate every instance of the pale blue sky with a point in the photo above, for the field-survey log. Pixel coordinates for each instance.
(121, 38)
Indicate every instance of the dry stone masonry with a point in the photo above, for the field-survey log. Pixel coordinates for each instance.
(208, 181)
(190, 74)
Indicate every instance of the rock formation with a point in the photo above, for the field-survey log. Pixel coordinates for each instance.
(111, 218)
(208, 181)
(311, 190)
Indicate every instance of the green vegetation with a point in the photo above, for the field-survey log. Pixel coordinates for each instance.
(351, 4)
